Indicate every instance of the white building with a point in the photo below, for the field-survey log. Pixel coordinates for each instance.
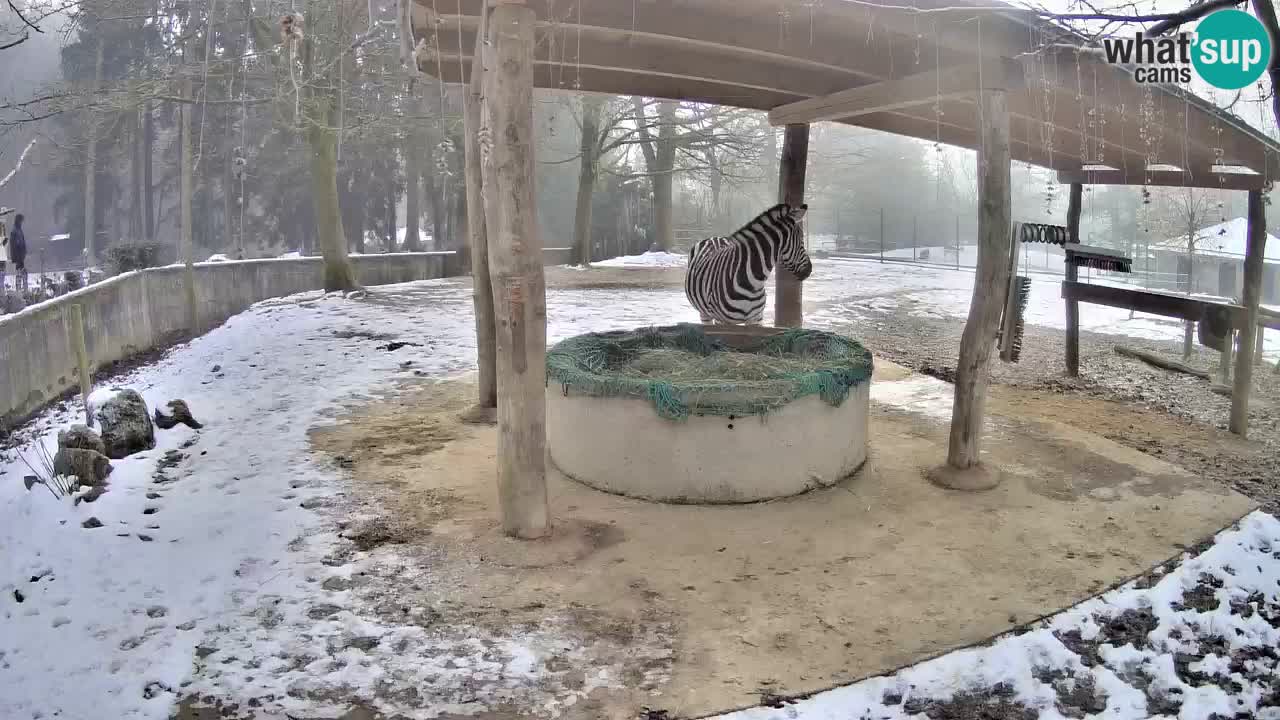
(1218, 263)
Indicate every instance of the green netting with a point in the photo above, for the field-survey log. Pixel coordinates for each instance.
(684, 371)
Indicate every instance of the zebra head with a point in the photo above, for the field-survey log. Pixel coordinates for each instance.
(791, 252)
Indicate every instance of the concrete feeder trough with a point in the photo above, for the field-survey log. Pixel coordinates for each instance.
(709, 442)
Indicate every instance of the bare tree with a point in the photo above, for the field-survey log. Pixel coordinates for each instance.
(1185, 213)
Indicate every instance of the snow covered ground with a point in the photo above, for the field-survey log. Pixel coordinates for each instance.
(648, 259)
(847, 287)
(210, 555)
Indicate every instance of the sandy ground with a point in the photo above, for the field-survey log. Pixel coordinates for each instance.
(706, 609)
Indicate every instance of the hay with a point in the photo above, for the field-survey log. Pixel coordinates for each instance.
(730, 366)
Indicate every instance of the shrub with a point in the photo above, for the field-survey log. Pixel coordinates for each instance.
(132, 256)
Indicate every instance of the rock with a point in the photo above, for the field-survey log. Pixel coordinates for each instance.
(90, 467)
(91, 523)
(80, 437)
(126, 425)
(180, 413)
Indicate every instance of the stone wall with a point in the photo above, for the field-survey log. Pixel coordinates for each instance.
(138, 311)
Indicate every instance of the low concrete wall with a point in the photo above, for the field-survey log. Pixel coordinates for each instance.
(137, 311)
(620, 445)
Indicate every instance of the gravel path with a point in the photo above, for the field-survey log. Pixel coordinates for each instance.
(1162, 413)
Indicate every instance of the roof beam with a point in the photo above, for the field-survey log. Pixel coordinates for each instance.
(918, 89)
(1206, 180)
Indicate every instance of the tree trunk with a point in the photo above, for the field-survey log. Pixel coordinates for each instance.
(435, 198)
(184, 202)
(135, 179)
(228, 192)
(148, 192)
(589, 150)
(663, 214)
(323, 143)
(984, 310)
(91, 175)
(664, 191)
(412, 179)
(659, 158)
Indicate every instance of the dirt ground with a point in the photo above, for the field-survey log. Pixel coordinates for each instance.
(699, 609)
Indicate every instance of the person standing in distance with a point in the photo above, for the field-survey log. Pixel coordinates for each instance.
(18, 254)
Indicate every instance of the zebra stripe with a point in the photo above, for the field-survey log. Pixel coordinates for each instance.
(726, 277)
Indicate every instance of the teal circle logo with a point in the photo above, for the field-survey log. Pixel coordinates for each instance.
(1232, 49)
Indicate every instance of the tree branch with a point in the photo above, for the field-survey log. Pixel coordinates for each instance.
(12, 173)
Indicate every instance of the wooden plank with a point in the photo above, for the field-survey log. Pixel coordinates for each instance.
(1074, 206)
(1203, 179)
(994, 234)
(918, 89)
(788, 298)
(481, 283)
(519, 290)
(1160, 362)
(1174, 306)
(1253, 257)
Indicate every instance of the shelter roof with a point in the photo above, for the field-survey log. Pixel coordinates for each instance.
(906, 67)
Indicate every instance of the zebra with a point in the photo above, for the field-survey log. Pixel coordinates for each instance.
(726, 276)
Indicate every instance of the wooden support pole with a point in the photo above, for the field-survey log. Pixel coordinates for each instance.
(1253, 255)
(1225, 358)
(963, 470)
(788, 299)
(481, 283)
(1074, 206)
(881, 235)
(75, 338)
(1259, 345)
(515, 265)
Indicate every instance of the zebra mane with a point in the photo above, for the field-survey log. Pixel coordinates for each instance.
(754, 220)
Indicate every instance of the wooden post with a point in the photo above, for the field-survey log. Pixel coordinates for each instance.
(1259, 346)
(788, 299)
(1224, 359)
(481, 284)
(915, 228)
(881, 235)
(515, 264)
(184, 203)
(963, 470)
(75, 338)
(1074, 206)
(1252, 295)
(957, 242)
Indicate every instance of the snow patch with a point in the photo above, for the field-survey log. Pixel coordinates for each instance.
(659, 259)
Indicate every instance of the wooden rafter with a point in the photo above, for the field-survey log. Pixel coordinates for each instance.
(919, 89)
(1203, 178)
